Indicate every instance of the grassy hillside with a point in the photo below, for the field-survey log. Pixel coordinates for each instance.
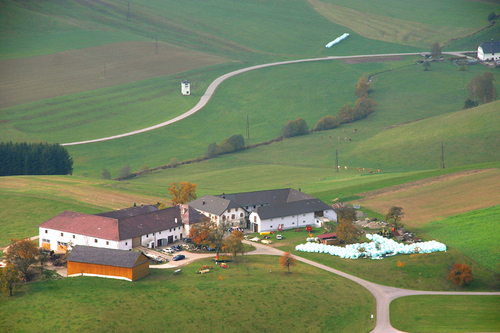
(456, 231)
(246, 295)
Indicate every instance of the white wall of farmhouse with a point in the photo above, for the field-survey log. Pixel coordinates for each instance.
(171, 235)
(57, 240)
(288, 222)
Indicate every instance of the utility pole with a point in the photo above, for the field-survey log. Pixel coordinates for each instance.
(248, 132)
(128, 10)
(156, 37)
(442, 155)
(336, 160)
(105, 69)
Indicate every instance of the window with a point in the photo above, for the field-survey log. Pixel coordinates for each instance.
(46, 231)
(232, 217)
(126, 243)
(270, 226)
(241, 214)
(107, 243)
(293, 222)
(74, 236)
(62, 234)
(159, 232)
(255, 218)
(95, 240)
(282, 218)
(46, 241)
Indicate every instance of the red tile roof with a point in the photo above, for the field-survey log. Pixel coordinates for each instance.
(84, 224)
(326, 236)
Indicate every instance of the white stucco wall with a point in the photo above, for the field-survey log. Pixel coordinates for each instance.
(289, 222)
(177, 232)
(55, 236)
(486, 56)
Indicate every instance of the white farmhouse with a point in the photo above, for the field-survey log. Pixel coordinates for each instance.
(266, 210)
(122, 229)
(489, 51)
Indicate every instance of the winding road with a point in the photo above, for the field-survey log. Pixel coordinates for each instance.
(213, 86)
(384, 295)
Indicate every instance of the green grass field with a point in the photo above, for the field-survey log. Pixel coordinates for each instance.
(446, 314)
(474, 234)
(248, 296)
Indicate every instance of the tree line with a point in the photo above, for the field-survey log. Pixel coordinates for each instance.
(23, 158)
(364, 106)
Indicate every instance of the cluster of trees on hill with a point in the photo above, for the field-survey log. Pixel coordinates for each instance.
(34, 159)
(363, 107)
(228, 145)
(482, 90)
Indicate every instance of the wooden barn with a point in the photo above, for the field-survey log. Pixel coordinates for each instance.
(110, 263)
(329, 239)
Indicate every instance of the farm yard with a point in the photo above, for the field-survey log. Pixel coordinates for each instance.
(76, 71)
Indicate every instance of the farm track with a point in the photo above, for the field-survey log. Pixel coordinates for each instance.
(384, 295)
(213, 86)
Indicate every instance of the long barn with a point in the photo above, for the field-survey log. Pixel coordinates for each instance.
(110, 263)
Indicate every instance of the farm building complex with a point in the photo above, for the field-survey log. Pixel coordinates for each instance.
(116, 264)
(121, 230)
(266, 210)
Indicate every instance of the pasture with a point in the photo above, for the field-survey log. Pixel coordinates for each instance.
(255, 294)
(446, 313)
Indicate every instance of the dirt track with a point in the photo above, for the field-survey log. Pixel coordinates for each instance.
(36, 78)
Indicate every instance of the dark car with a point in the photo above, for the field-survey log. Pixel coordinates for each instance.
(210, 248)
(188, 240)
(179, 257)
(177, 247)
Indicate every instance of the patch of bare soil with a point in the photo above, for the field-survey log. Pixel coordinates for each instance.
(36, 78)
(438, 197)
(363, 60)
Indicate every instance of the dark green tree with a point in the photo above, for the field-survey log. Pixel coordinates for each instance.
(326, 123)
(482, 88)
(105, 174)
(395, 214)
(436, 51)
(492, 16)
(426, 65)
(294, 128)
(470, 103)
(212, 150)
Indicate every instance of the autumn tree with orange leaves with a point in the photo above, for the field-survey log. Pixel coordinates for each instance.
(200, 232)
(182, 193)
(234, 243)
(22, 253)
(461, 274)
(287, 260)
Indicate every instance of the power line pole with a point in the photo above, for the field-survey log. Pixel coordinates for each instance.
(248, 132)
(336, 160)
(128, 10)
(442, 155)
(105, 69)
(156, 37)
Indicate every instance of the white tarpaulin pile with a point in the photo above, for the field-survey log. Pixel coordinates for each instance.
(378, 248)
(337, 40)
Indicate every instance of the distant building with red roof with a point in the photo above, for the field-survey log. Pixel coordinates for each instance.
(122, 229)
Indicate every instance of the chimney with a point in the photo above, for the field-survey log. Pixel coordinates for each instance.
(184, 209)
(203, 201)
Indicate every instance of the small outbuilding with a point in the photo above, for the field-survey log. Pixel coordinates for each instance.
(110, 263)
(186, 88)
(329, 239)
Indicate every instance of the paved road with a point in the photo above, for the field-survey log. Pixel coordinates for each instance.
(211, 89)
(383, 295)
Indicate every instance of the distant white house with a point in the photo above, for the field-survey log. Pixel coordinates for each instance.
(121, 230)
(266, 210)
(489, 51)
(186, 88)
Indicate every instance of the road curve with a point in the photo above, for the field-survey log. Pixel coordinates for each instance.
(384, 295)
(213, 86)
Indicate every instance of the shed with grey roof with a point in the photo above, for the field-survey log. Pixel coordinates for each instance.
(110, 263)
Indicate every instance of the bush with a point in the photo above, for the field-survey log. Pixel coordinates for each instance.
(105, 174)
(461, 274)
(295, 128)
(326, 123)
(125, 172)
(174, 162)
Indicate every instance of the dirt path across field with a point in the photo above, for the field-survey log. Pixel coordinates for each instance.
(213, 86)
(438, 197)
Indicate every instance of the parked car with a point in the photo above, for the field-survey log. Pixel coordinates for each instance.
(168, 251)
(230, 230)
(188, 240)
(173, 248)
(178, 257)
(177, 247)
(210, 248)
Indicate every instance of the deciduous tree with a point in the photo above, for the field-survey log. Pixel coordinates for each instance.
(362, 89)
(461, 274)
(22, 254)
(326, 123)
(217, 236)
(294, 128)
(9, 277)
(183, 193)
(482, 88)
(105, 174)
(395, 214)
(470, 103)
(234, 243)
(287, 260)
(346, 230)
(43, 257)
(435, 50)
(426, 65)
(200, 232)
(124, 172)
